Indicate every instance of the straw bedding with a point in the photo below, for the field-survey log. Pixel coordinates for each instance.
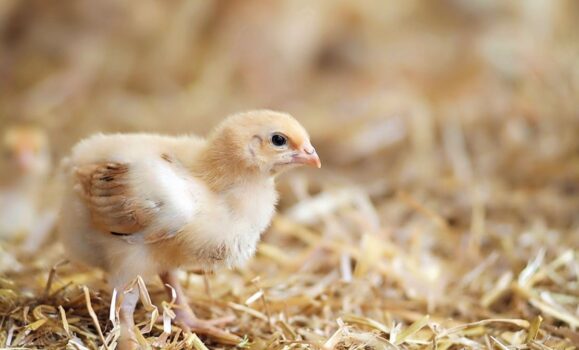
(447, 212)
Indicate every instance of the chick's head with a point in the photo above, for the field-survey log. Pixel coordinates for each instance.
(267, 140)
(25, 150)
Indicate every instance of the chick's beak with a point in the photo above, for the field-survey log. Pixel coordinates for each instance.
(307, 156)
(25, 159)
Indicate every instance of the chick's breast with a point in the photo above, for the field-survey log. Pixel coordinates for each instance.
(228, 227)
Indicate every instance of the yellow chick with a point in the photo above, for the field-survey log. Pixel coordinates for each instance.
(26, 167)
(146, 205)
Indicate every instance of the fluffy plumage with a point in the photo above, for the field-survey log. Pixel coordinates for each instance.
(141, 204)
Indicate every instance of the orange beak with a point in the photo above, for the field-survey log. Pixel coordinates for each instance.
(307, 156)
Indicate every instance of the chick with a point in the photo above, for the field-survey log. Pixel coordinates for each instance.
(26, 167)
(146, 205)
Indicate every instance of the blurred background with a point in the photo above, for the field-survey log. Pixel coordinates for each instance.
(77, 67)
(448, 129)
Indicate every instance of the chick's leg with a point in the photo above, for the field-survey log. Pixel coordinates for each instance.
(186, 317)
(128, 340)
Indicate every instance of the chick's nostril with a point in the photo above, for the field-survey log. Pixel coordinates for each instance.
(310, 150)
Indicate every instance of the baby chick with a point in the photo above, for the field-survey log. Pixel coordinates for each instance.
(26, 167)
(146, 205)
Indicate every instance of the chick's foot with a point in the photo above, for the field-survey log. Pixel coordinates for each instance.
(186, 318)
(212, 328)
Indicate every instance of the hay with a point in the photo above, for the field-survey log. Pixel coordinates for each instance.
(447, 212)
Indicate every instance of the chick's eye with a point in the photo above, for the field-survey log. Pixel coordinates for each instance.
(278, 140)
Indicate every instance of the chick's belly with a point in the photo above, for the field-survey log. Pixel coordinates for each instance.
(127, 261)
(205, 257)
(202, 250)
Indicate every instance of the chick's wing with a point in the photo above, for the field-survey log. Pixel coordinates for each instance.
(113, 206)
(116, 207)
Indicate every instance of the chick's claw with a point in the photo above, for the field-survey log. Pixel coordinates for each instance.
(188, 319)
(188, 322)
(210, 328)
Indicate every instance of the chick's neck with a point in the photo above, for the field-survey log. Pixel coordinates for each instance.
(223, 166)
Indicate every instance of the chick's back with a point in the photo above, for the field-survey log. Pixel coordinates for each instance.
(131, 148)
